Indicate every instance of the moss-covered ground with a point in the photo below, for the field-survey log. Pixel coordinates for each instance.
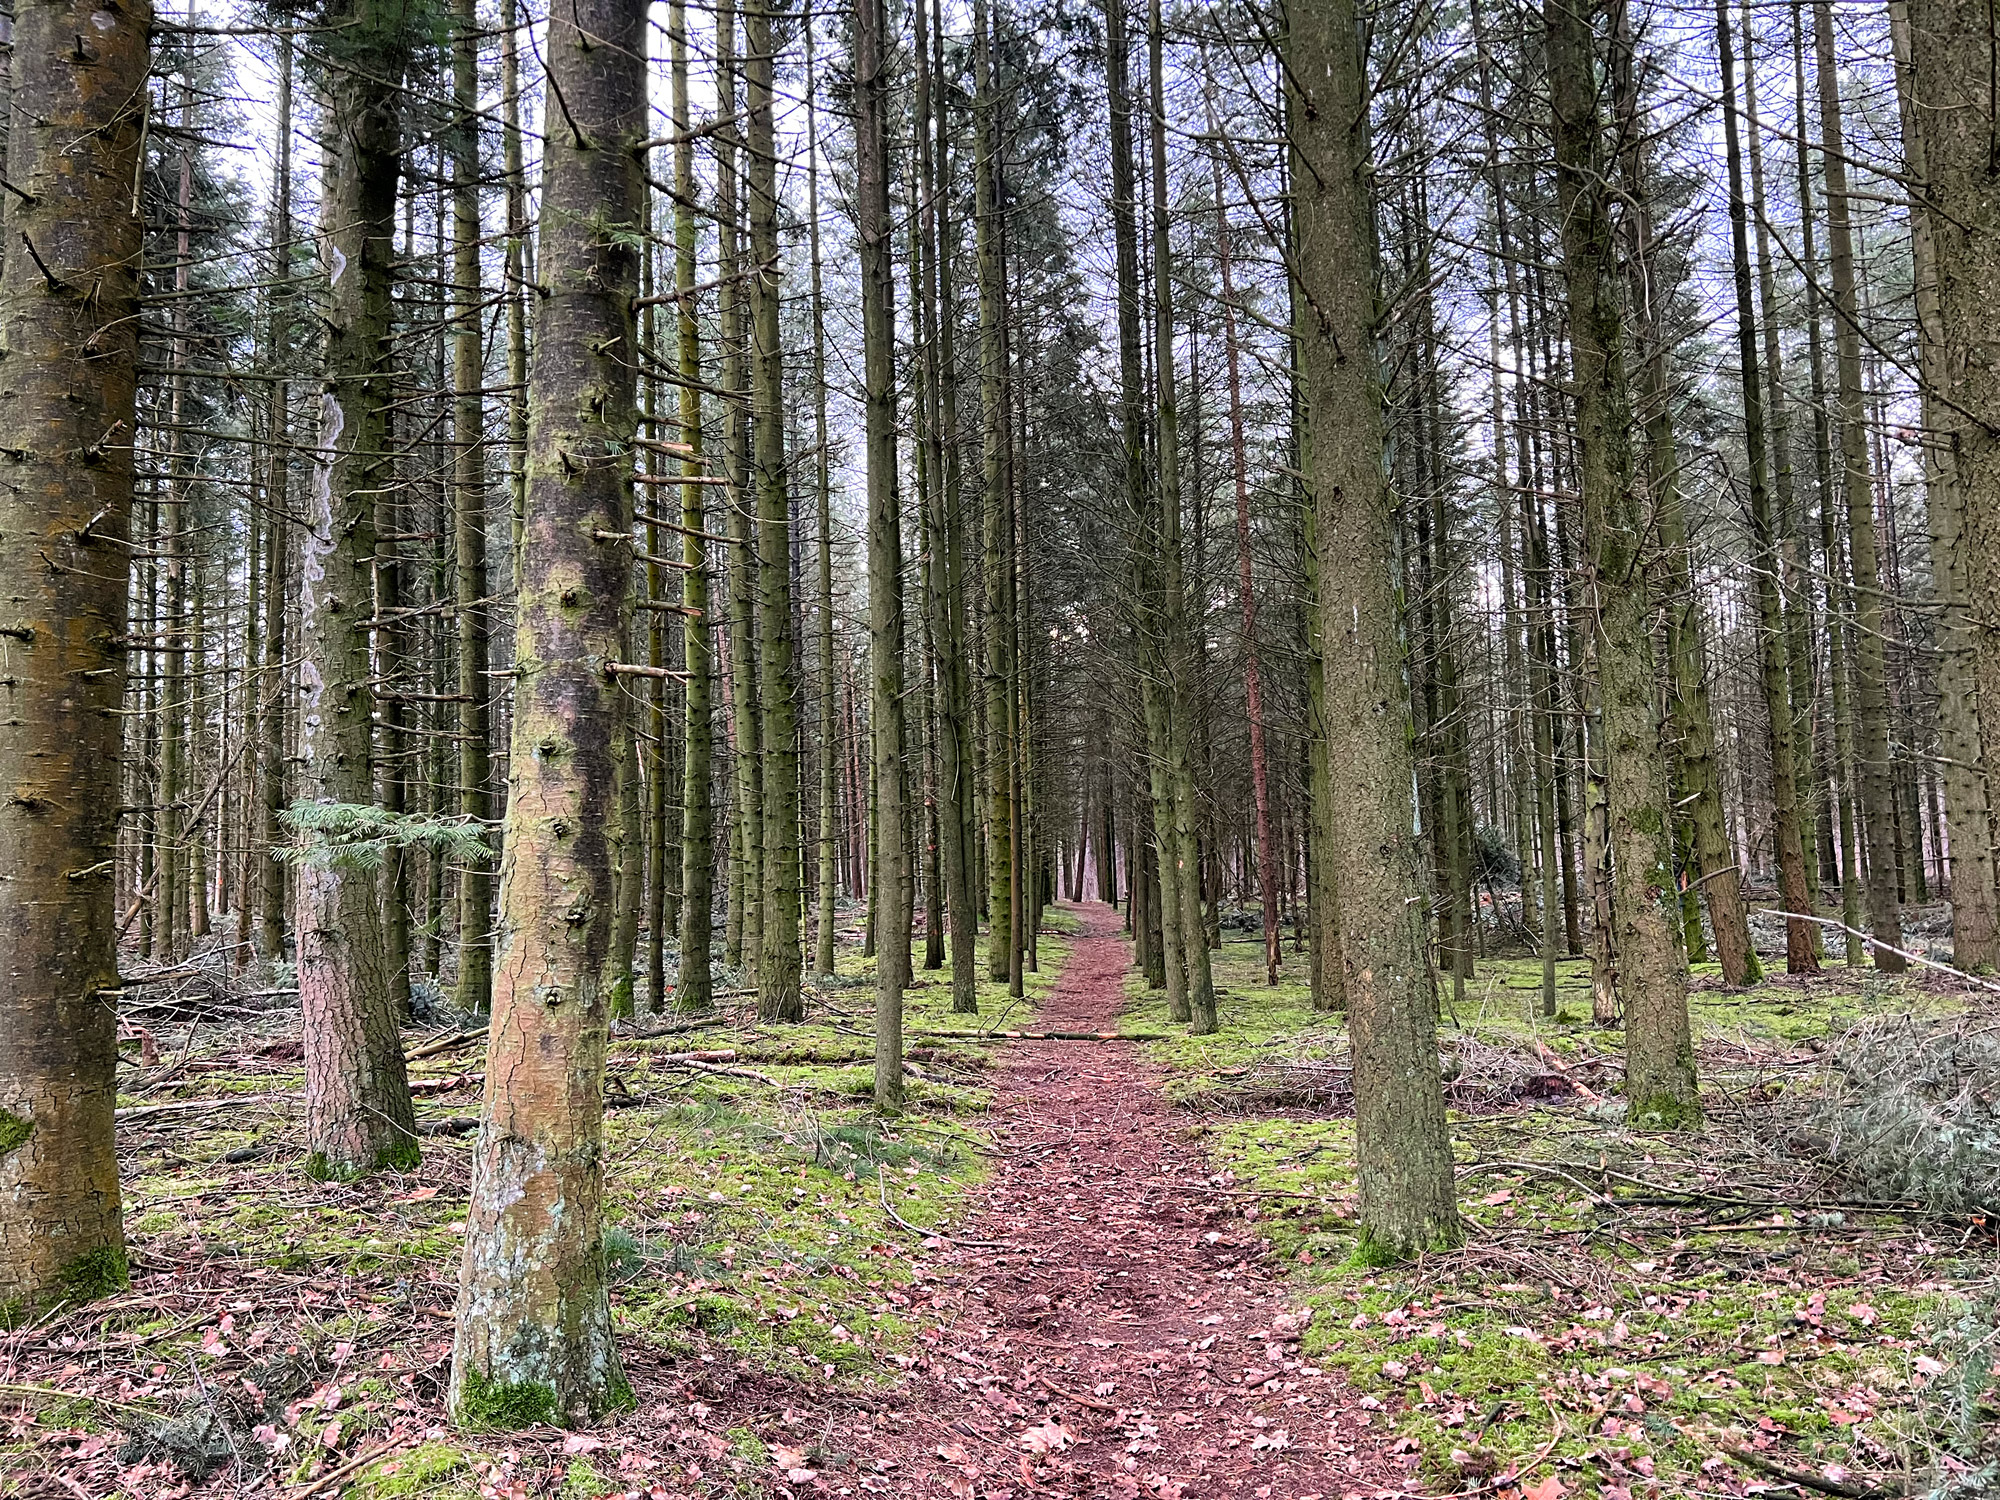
(1631, 1313)
(748, 1243)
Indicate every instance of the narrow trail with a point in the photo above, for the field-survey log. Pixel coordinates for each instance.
(1130, 1339)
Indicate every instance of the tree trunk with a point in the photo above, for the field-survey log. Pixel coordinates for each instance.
(69, 317)
(695, 988)
(534, 1340)
(358, 1110)
(893, 884)
(1402, 1145)
(1652, 967)
(468, 374)
(1952, 111)
(829, 739)
(1871, 692)
(1176, 645)
(1801, 956)
(779, 960)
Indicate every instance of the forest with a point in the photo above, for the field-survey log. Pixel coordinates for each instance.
(988, 748)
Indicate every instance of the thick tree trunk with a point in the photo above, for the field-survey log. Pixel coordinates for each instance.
(1652, 966)
(534, 1339)
(358, 1110)
(69, 318)
(1403, 1148)
(1952, 112)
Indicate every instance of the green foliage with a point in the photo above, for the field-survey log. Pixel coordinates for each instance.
(1912, 1111)
(14, 1131)
(359, 836)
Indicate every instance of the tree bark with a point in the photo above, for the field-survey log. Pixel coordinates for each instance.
(1951, 112)
(1403, 1148)
(1652, 966)
(358, 1111)
(893, 884)
(534, 1339)
(69, 317)
(1871, 691)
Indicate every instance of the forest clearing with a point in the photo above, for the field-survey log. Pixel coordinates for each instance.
(982, 748)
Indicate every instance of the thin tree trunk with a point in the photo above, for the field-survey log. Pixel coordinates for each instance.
(829, 740)
(695, 988)
(885, 562)
(1871, 692)
(468, 374)
(1800, 954)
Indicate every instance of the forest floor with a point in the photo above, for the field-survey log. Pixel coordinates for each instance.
(1074, 1266)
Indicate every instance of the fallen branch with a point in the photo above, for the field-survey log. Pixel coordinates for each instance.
(882, 1187)
(1806, 1479)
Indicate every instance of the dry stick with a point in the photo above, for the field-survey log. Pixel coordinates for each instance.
(333, 1475)
(882, 1186)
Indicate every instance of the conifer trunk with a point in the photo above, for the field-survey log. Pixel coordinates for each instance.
(695, 989)
(69, 317)
(1652, 966)
(534, 1340)
(1403, 1150)
(1871, 691)
(358, 1110)
(893, 882)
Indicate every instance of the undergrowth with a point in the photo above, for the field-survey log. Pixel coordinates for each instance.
(1633, 1311)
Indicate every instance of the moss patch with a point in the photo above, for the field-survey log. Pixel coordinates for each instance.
(14, 1131)
(506, 1406)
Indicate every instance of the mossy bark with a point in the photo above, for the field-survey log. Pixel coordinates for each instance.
(534, 1322)
(1652, 965)
(358, 1111)
(68, 326)
(1403, 1150)
(1953, 111)
(894, 885)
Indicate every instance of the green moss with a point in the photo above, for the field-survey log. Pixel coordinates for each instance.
(13, 1313)
(402, 1155)
(97, 1273)
(421, 1472)
(582, 1482)
(1665, 1112)
(14, 1131)
(497, 1406)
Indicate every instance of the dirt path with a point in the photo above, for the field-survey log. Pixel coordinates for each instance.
(1130, 1340)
